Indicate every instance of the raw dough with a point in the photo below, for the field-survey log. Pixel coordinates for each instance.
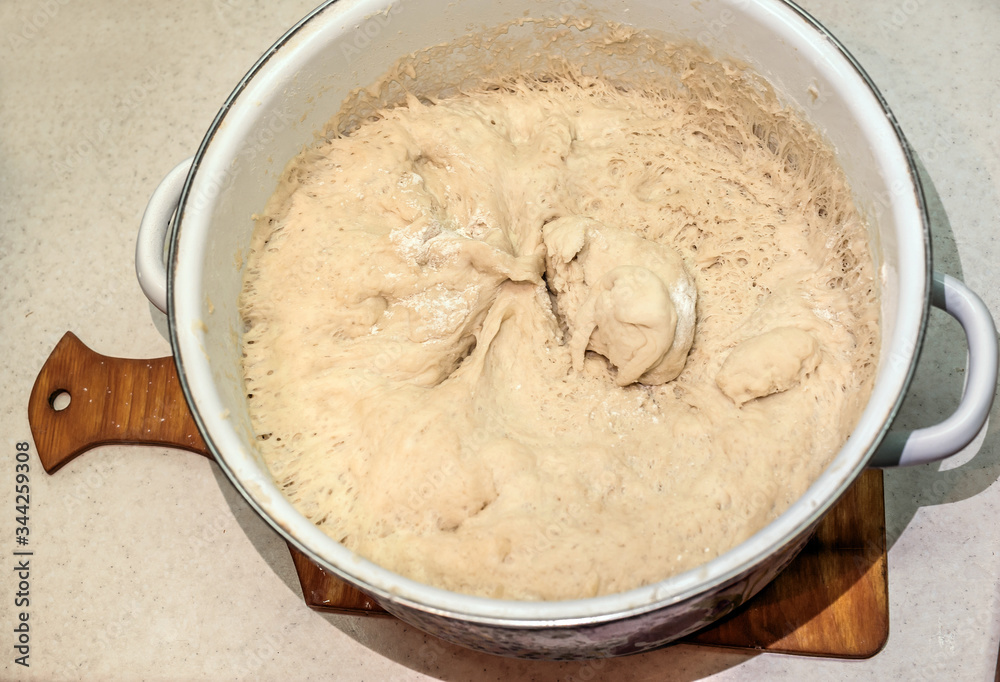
(486, 335)
(629, 299)
(775, 361)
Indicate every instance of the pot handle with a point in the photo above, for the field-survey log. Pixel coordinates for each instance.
(149, 266)
(904, 448)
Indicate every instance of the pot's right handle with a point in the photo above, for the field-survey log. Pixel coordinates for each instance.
(149, 267)
(903, 448)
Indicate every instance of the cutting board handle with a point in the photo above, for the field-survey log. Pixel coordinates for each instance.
(111, 400)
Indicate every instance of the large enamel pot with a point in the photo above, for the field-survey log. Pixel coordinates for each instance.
(292, 91)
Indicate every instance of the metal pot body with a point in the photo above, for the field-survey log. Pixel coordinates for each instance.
(292, 92)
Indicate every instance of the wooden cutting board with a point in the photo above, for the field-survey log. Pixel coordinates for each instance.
(831, 601)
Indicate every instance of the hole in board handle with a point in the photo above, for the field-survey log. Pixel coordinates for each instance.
(59, 400)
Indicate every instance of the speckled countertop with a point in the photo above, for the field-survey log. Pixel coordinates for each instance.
(148, 565)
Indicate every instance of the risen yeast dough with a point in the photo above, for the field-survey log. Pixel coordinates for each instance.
(553, 337)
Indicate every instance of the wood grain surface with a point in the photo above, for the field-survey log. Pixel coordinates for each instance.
(832, 600)
(111, 400)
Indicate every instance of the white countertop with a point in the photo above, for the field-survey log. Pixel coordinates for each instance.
(147, 564)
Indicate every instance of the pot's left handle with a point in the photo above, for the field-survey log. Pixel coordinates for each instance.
(933, 443)
(149, 267)
(82, 399)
